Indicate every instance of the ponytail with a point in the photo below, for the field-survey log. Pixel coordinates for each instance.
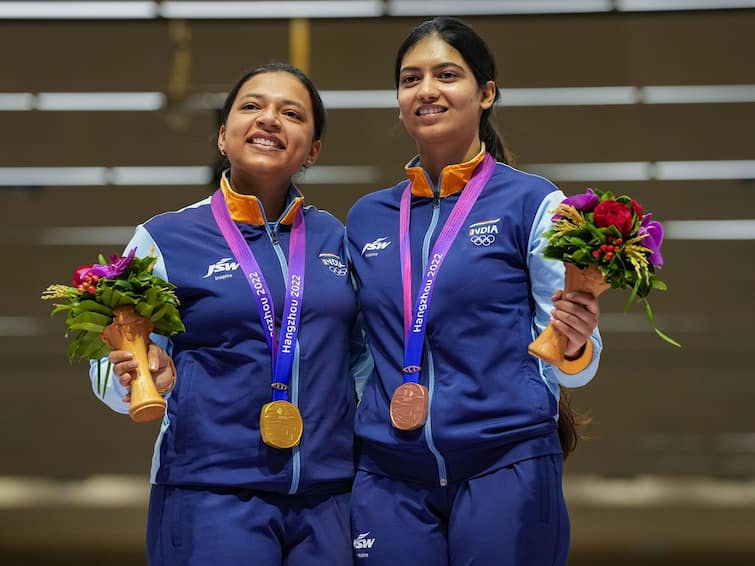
(493, 140)
(568, 421)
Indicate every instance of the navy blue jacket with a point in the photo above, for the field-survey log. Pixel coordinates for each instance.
(491, 402)
(210, 435)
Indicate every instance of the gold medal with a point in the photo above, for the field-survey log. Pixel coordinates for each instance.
(409, 406)
(281, 425)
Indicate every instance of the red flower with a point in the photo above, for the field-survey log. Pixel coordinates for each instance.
(637, 208)
(80, 275)
(612, 213)
(118, 265)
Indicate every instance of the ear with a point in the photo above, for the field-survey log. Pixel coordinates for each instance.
(488, 95)
(221, 140)
(314, 152)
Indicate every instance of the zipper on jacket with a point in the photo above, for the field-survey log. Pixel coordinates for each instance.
(442, 475)
(293, 384)
(441, 462)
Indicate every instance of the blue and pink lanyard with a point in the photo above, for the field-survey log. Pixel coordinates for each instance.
(281, 347)
(415, 320)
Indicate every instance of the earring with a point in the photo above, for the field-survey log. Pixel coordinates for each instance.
(222, 152)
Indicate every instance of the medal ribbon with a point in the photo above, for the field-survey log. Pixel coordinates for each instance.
(282, 347)
(415, 321)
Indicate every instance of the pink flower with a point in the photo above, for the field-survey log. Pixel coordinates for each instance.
(584, 202)
(653, 239)
(118, 265)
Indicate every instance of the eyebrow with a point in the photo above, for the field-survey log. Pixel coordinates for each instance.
(434, 67)
(286, 101)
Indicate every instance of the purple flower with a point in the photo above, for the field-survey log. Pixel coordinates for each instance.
(118, 264)
(653, 232)
(584, 202)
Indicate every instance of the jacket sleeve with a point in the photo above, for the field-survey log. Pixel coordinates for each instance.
(105, 386)
(547, 276)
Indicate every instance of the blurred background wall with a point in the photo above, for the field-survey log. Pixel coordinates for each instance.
(109, 115)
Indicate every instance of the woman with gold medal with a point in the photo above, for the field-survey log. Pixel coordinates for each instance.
(254, 458)
(460, 458)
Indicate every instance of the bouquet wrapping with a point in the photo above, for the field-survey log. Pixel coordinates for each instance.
(605, 241)
(116, 305)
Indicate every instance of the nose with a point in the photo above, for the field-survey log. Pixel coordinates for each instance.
(268, 119)
(428, 90)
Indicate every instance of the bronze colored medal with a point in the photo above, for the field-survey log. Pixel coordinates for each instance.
(281, 425)
(409, 406)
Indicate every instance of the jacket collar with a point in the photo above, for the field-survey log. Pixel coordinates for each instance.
(453, 178)
(248, 209)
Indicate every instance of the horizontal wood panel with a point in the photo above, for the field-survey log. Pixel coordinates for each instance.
(375, 137)
(532, 51)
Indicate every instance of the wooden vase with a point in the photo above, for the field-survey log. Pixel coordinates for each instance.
(550, 345)
(130, 331)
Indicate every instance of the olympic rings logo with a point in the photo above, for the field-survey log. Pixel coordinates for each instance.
(340, 271)
(482, 239)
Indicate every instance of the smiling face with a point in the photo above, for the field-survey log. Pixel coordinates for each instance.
(440, 102)
(269, 132)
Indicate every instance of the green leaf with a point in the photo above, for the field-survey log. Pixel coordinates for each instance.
(667, 338)
(60, 308)
(159, 313)
(625, 200)
(105, 296)
(87, 326)
(125, 300)
(90, 345)
(107, 378)
(144, 309)
(94, 306)
(658, 284)
(633, 296)
(92, 318)
(575, 241)
(72, 349)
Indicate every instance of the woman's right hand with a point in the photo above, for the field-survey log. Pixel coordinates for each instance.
(160, 366)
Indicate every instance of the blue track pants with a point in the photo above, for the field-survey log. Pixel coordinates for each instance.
(514, 516)
(233, 527)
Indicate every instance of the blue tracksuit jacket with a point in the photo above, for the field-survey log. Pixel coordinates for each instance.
(210, 434)
(491, 402)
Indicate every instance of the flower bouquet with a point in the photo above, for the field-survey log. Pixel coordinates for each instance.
(116, 305)
(604, 241)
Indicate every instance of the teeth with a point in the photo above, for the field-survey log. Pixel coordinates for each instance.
(263, 141)
(431, 110)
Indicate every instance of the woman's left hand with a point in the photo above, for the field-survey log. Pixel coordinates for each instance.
(576, 316)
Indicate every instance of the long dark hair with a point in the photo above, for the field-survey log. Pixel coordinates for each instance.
(318, 108)
(568, 421)
(477, 55)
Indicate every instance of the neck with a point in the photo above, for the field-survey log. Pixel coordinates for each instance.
(434, 158)
(272, 195)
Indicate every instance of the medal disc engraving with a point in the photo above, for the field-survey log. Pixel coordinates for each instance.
(409, 406)
(281, 425)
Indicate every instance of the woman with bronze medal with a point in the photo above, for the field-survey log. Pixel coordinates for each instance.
(460, 457)
(254, 459)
